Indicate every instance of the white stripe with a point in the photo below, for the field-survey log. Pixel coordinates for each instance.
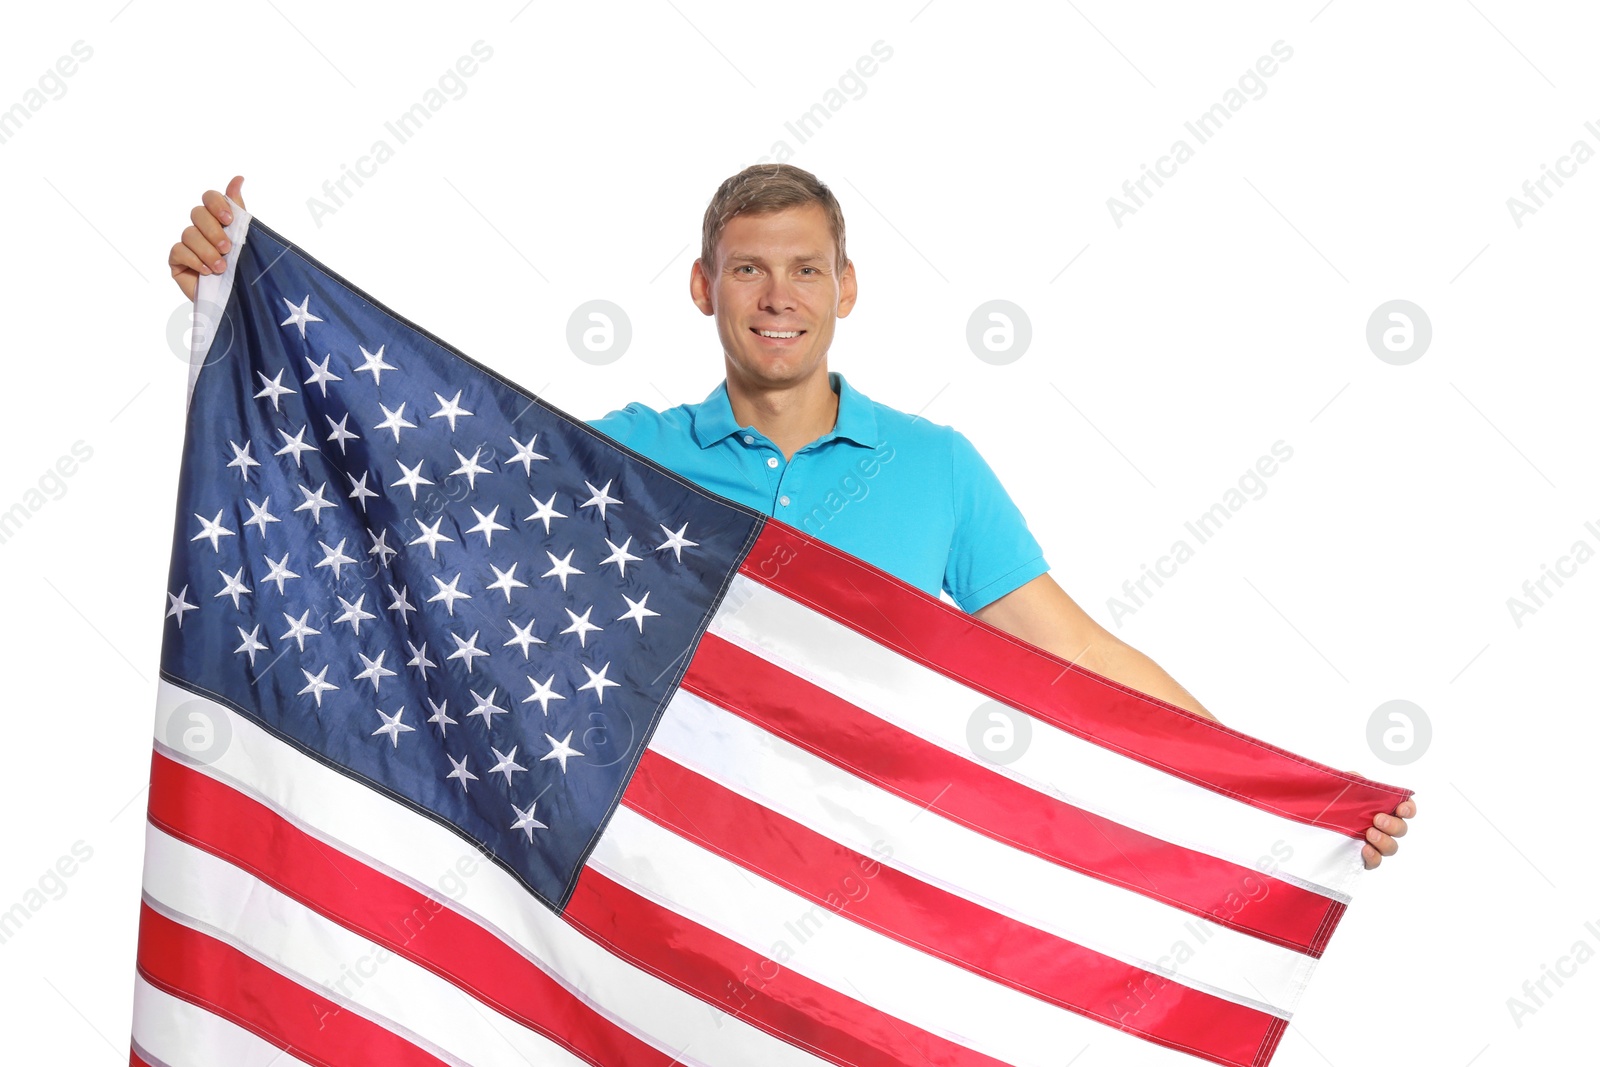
(213, 896)
(878, 971)
(903, 692)
(174, 1033)
(420, 852)
(211, 297)
(1116, 922)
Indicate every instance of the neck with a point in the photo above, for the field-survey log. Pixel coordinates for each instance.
(790, 416)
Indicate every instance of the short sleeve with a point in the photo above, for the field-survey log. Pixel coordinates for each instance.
(992, 551)
(620, 424)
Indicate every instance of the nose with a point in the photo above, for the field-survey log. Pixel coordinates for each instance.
(779, 294)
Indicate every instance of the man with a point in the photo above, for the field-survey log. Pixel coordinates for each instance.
(785, 436)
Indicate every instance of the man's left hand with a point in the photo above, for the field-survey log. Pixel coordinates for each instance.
(1383, 831)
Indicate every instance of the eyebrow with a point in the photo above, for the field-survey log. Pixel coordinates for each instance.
(753, 257)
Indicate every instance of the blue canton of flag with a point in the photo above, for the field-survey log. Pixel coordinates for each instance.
(398, 562)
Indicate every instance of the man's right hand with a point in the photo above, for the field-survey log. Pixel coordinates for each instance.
(204, 244)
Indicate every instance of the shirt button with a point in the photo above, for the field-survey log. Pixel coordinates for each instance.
(784, 501)
(772, 461)
(749, 440)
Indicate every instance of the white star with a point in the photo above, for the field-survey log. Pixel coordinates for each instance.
(471, 467)
(580, 624)
(315, 502)
(298, 630)
(561, 751)
(411, 478)
(542, 692)
(280, 571)
(524, 636)
(250, 645)
(600, 499)
(396, 420)
(508, 763)
(295, 445)
(242, 459)
(380, 547)
(460, 770)
(374, 363)
(620, 556)
(316, 684)
(374, 669)
(392, 726)
(449, 593)
(213, 530)
(299, 316)
(442, 717)
(320, 374)
(402, 603)
(450, 409)
(525, 454)
(546, 511)
(334, 557)
(177, 605)
(486, 707)
(506, 580)
(597, 681)
(676, 541)
(354, 614)
(525, 820)
(359, 490)
(419, 659)
(259, 515)
(430, 536)
(235, 585)
(637, 611)
(339, 433)
(273, 388)
(560, 568)
(488, 526)
(466, 650)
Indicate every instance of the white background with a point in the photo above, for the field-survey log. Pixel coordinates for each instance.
(1227, 313)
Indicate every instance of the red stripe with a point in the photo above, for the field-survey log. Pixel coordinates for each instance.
(219, 819)
(1008, 811)
(134, 1060)
(226, 982)
(951, 642)
(931, 920)
(754, 987)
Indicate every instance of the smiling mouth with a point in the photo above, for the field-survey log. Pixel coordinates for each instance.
(776, 335)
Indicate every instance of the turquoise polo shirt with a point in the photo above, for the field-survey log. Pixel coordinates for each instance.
(909, 496)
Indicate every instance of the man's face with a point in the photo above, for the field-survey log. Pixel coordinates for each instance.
(775, 274)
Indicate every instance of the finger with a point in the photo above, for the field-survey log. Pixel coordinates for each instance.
(1382, 841)
(1407, 809)
(204, 251)
(234, 188)
(1390, 825)
(210, 228)
(185, 276)
(1370, 857)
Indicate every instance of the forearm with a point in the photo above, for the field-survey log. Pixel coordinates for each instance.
(1123, 663)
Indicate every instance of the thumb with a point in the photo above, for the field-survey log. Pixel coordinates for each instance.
(233, 190)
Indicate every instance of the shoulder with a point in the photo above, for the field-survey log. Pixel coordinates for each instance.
(638, 423)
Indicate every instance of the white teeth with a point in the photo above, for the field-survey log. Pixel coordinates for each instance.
(779, 333)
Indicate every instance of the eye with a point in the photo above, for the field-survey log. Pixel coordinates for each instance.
(811, 269)
(743, 266)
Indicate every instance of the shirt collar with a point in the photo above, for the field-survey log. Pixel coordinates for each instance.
(856, 422)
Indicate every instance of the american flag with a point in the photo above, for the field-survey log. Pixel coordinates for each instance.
(484, 740)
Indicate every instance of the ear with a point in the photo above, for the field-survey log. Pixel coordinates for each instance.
(700, 289)
(847, 288)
